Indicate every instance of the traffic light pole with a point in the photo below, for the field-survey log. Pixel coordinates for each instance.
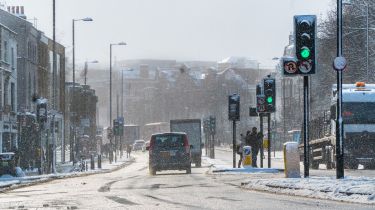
(212, 145)
(306, 146)
(206, 143)
(261, 146)
(269, 139)
(234, 144)
(339, 125)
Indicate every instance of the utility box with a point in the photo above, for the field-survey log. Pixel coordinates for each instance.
(291, 160)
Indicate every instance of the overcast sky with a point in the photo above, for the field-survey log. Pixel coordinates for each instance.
(173, 29)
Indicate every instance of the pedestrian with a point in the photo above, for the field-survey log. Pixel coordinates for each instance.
(128, 150)
(240, 148)
(252, 140)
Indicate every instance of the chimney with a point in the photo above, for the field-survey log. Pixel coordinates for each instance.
(18, 11)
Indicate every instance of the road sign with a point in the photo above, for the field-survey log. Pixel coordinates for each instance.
(339, 63)
(261, 107)
(290, 66)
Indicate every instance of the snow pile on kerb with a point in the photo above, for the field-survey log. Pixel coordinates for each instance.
(219, 166)
(351, 189)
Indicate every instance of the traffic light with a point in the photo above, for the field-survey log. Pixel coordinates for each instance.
(304, 37)
(115, 127)
(234, 107)
(41, 112)
(56, 126)
(206, 125)
(120, 126)
(213, 124)
(269, 94)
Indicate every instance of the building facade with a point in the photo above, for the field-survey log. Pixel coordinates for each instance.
(27, 72)
(8, 89)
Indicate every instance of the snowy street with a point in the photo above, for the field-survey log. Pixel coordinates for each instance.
(133, 188)
(188, 104)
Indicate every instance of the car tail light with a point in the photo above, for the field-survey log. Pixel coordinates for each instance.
(186, 144)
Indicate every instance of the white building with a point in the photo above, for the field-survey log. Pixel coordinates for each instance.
(8, 89)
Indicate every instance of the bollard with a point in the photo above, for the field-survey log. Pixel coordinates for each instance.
(247, 159)
(100, 161)
(291, 160)
(92, 163)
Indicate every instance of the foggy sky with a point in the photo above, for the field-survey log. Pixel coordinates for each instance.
(173, 29)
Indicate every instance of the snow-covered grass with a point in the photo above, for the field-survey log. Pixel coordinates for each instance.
(350, 189)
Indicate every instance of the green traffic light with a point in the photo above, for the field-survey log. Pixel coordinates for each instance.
(305, 53)
(269, 99)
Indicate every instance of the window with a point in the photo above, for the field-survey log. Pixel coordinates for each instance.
(169, 140)
(12, 58)
(29, 50)
(6, 94)
(12, 96)
(6, 51)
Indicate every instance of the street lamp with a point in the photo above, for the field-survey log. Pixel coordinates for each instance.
(73, 25)
(74, 83)
(86, 69)
(110, 80)
(349, 3)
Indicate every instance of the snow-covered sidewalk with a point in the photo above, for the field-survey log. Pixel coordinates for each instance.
(219, 166)
(356, 189)
(7, 181)
(350, 189)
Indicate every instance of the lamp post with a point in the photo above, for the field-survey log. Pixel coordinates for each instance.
(110, 79)
(86, 69)
(73, 92)
(110, 91)
(53, 85)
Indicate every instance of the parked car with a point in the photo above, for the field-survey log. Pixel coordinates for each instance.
(147, 144)
(169, 151)
(138, 144)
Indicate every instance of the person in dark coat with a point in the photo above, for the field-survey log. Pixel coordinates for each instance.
(252, 140)
(128, 150)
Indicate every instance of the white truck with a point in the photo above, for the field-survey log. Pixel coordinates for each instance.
(358, 113)
(192, 127)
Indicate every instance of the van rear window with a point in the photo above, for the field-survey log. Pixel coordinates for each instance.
(169, 140)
